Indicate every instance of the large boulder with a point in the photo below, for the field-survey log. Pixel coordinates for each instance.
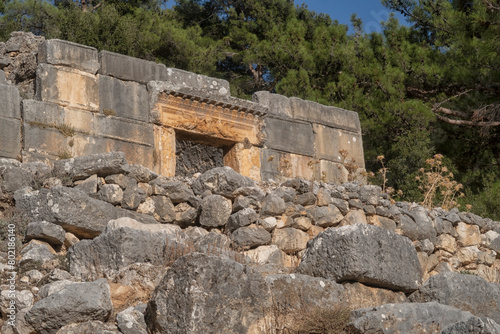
(72, 209)
(206, 294)
(466, 292)
(124, 242)
(215, 211)
(77, 302)
(366, 254)
(473, 325)
(51, 233)
(406, 318)
(221, 181)
(102, 164)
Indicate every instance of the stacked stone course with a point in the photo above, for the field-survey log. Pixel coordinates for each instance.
(76, 101)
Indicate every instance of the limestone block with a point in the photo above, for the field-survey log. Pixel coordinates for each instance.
(333, 172)
(447, 243)
(329, 141)
(124, 130)
(123, 99)
(59, 52)
(468, 235)
(10, 102)
(50, 115)
(279, 105)
(10, 138)
(289, 136)
(278, 165)
(178, 79)
(164, 150)
(3, 79)
(244, 159)
(127, 68)
(290, 240)
(468, 255)
(67, 87)
(47, 143)
(134, 153)
(326, 115)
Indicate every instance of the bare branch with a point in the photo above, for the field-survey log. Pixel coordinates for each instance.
(467, 123)
(450, 112)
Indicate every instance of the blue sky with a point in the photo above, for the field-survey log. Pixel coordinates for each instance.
(372, 12)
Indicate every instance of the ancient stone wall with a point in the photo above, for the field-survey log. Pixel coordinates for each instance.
(80, 101)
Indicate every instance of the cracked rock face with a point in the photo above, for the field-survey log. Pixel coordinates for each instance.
(206, 294)
(365, 254)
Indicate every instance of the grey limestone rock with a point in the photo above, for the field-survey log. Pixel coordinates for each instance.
(206, 294)
(305, 199)
(37, 252)
(102, 164)
(164, 208)
(325, 216)
(111, 193)
(473, 325)
(406, 318)
(177, 191)
(272, 206)
(73, 210)
(51, 233)
(466, 292)
(242, 218)
(131, 321)
(94, 327)
(77, 302)
(222, 181)
(250, 237)
(215, 211)
(123, 242)
(366, 254)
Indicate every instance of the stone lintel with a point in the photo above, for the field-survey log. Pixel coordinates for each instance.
(212, 119)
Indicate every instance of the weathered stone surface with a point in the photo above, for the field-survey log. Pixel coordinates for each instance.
(266, 255)
(164, 209)
(73, 210)
(302, 223)
(289, 136)
(468, 235)
(326, 115)
(94, 327)
(332, 172)
(466, 292)
(491, 240)
(124, 130)
(177, 191)
(272, 206)
(473, 325)
(123, 242)
(354, 217)
(177, 79)
(242, 218)
(111, 193)
(52, 233)
(10, 137)
(53, 287)
(417, 225)
(215, 211)
(23, 299)
(123, 99)
(67, 87)
(131, 321)
(10, 108)
(75, 302)
(102, 164)
(305, 199)
(132, 197)
(329, 141)
(325, 216)
(406, 318)
(244, 159)
(290, 240)
(128, 68)
(213, 243)
(36, 252)
(366, 254)
(221, 181)
(205, 294)
(59, 52)
(250, 237)
(297, 291)
(185, 214)
(359, 295)
(13, 178)
(278, 105)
